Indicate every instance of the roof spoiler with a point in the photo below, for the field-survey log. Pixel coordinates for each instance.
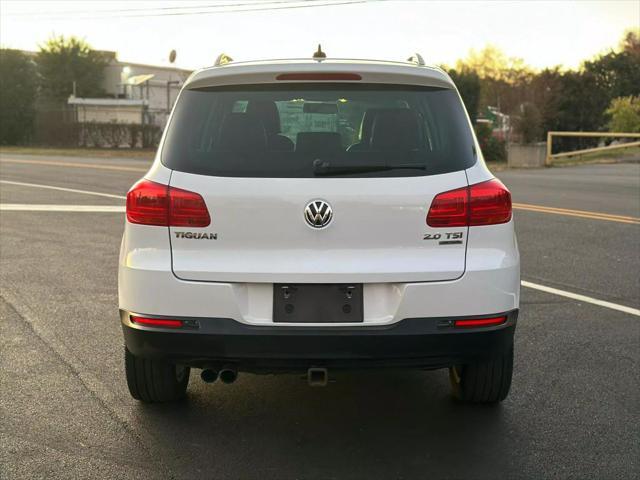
(319, 55)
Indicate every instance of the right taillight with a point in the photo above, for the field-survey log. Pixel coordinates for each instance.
(151, 203)
(490, 203)
(486, 203)
(479, 322)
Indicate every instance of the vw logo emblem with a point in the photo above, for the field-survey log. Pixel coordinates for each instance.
(318, 213)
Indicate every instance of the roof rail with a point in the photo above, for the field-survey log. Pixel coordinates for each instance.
(417, 59)
(223, 59)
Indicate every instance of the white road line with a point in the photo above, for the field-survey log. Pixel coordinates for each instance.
(582, 298)
(62, 189)
(23, 207)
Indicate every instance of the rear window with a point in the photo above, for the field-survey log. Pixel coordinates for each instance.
(311, 130)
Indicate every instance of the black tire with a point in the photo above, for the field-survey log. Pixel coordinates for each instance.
(486, 382)
(152, 381)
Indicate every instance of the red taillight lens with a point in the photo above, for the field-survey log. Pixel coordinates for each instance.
(151, 203)
(479, 322)
(156, 322)
(187, 209)
(148, 204)
(486, 203)
(490, 203)
(450, 209)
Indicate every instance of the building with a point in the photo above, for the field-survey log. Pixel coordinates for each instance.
(134, 93)
(137, 100)
(155, 86)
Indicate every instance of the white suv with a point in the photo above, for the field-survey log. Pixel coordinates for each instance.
(311, 215)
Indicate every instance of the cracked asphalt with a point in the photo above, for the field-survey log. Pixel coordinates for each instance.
(573, 411)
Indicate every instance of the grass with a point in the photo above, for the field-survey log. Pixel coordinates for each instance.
(610, 156)
(146, 153)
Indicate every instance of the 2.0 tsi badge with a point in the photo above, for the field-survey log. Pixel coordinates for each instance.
(318, 213)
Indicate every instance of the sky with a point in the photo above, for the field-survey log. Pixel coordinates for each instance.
(543, 33)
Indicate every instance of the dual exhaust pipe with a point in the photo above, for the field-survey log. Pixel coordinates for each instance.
(316, 377)
(226, 375)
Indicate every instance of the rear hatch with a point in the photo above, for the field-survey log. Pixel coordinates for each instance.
(271, 160)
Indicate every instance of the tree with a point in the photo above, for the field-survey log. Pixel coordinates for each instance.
(468, 83)
(18, 87)
(578, 100)
(491, 62)
(63, 61)
(528, 123)
(503, 79)
(617, 74)
(631, 42)
(625, 115)
(545, 92)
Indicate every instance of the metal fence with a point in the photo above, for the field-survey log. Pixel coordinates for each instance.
(551, 157)
(60, 127)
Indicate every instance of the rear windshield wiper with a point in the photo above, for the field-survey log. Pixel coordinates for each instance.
(325, 168)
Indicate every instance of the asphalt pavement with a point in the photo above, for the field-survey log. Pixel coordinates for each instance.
(65, 412)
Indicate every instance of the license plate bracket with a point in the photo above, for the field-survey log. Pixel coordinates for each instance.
(317, 303)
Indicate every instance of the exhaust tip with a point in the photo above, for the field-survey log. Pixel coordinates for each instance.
(228, 375)
(317, 377)
(208, 376)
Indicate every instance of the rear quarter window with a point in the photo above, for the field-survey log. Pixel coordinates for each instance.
(306, 130)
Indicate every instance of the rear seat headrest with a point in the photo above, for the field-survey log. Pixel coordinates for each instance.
(318, 143)
(396, 129)
(267, 112)
(243, 133)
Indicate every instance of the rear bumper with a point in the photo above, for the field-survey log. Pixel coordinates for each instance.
(412, 342)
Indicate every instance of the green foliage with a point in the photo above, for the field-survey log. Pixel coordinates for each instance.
(617, 74)
(18, 87)
(529, 123)
(503, 80)
(545, 92)
(493, 149)
(62, 61)
(581, 103)
(573, 100)
(468, 83)
(492, 63)
(625, 115)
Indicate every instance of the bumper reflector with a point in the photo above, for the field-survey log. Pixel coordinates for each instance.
(156, 322)
(479, 322)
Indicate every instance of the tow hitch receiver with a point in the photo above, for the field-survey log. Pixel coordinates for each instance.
(317, 377)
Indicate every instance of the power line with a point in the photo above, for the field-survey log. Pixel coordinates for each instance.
(187, 8)
(315, 4)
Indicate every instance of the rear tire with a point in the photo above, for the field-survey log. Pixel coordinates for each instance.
(155, 380)
(485, 382)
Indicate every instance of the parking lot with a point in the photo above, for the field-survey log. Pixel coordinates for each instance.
(573, 411)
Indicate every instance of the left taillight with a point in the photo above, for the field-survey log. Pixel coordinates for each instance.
(151, 203)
